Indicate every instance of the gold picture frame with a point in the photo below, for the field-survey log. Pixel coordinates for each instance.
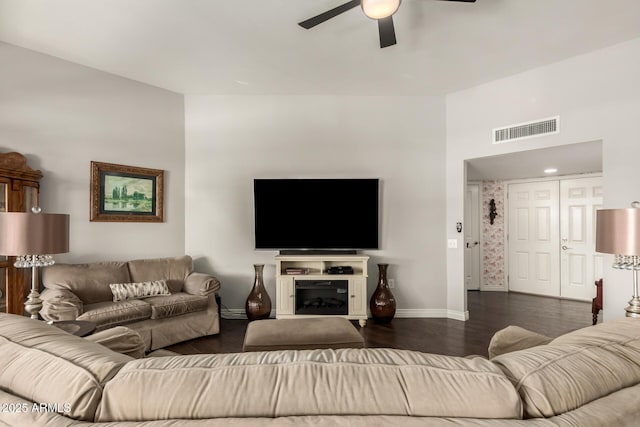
(121, 193)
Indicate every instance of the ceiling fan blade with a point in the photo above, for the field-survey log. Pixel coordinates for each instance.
(312, 22)
(387, 32)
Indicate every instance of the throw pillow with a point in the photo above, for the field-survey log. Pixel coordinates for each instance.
(127, 291)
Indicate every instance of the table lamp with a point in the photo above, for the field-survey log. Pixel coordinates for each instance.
(618, 233)
(32, 237)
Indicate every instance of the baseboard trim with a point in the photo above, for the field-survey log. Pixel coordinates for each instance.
(234, 313)
(463, 316)
(407, 313)
(432, 313)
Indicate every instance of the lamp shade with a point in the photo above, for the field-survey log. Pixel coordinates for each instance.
(618, 231)
(33, 234)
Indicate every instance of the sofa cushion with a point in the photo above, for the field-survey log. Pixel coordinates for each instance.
(173, 270)
(89, 282)
(44, 364)
(309, 382)
(176, 304)
(108, 314)
(575, 368)
(127, 291)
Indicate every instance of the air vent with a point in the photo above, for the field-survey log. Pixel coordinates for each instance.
(526, 130)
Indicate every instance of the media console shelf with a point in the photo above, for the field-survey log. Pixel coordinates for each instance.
(307, 290)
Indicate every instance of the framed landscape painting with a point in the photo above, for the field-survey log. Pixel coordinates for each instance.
(122, 193)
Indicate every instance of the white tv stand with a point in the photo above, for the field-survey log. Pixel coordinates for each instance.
(314, 267)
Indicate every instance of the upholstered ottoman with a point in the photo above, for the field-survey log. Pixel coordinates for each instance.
(301, 334)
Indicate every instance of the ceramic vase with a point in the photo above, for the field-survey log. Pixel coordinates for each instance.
(258, 304)
(382, 303)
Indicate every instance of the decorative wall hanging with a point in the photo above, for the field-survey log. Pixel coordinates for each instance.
(122, 193)
(492, 211)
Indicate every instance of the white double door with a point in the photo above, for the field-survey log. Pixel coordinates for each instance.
(551, 237)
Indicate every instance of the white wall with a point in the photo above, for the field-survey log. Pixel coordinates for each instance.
(232, 140)
(62, 116)
(597, 97)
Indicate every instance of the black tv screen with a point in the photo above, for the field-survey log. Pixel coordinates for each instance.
(316, 213)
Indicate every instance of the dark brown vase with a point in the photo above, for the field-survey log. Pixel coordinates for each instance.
(258, 305)
(382, 303)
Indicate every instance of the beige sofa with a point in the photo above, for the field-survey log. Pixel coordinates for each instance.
(82, 292)
(585, 378)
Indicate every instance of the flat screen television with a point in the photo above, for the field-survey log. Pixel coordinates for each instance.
(320, 214)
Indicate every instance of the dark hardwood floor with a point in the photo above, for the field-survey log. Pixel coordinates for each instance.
(489, 312)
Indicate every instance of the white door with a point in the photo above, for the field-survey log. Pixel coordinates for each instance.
(533, 237)
(581, 266)
(471, 230)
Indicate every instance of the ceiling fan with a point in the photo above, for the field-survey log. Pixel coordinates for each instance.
(381, 10)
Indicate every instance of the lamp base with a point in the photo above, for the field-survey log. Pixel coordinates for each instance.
(33, 304)
(633, 310)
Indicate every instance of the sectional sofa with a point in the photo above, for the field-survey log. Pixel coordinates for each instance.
(587, 378)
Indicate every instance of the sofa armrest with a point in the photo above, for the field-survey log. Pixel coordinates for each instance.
(60, 304)
(201, 284)
(120, 339)
(514, 338)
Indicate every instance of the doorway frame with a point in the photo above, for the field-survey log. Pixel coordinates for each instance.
(480, 239)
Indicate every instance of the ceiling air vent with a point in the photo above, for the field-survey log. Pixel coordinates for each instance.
(526, 130)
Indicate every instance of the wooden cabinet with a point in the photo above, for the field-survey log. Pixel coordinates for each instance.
(19, 189)
(299, 273)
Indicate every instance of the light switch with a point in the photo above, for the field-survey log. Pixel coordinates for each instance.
(453, 243)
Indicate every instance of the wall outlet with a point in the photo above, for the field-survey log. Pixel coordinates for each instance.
(453, 243)
(392, 283)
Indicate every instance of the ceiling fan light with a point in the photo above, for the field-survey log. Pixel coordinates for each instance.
(378, 9)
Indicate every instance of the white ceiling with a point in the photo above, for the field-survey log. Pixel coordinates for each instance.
(256, 47)
(567, 159)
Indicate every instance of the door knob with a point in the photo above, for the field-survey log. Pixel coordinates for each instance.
(564, 247)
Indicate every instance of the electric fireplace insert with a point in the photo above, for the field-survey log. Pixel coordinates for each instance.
(324, 297)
